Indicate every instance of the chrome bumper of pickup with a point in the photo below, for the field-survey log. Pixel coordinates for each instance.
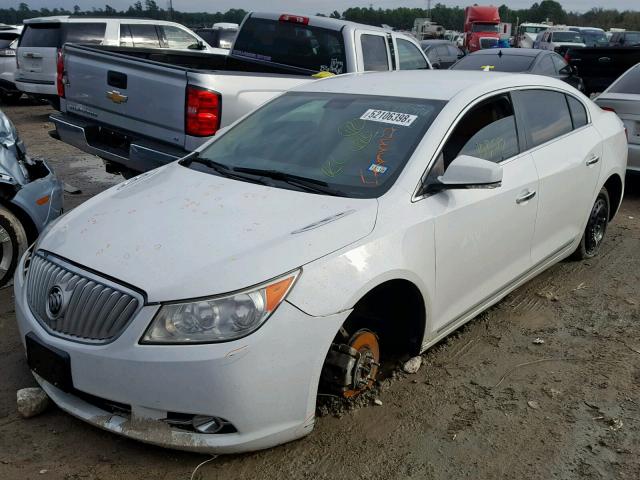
(142, 154)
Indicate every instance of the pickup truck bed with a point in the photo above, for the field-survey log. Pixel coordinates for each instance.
(599, 67)
(132, 113)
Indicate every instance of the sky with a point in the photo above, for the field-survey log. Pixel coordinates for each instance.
(313, 6)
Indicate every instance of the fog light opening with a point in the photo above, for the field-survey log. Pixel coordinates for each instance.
(204, 424)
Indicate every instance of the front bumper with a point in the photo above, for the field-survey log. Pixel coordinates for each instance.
(139, 155)
(265, 384)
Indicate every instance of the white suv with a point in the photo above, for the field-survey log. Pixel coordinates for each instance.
(42, 38)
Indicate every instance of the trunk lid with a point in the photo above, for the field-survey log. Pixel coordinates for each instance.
(627, 107)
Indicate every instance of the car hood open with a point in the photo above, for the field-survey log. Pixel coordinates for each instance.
(176, 233)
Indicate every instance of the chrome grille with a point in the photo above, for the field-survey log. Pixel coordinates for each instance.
(88, 308)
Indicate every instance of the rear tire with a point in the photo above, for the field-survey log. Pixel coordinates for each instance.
(13, 243)
(596, 228)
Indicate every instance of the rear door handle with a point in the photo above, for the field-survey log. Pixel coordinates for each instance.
(593, 160)
(525, 197)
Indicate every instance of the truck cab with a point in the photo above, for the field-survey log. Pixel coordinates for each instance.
(481, 27)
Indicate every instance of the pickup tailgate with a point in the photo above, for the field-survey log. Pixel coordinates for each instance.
(126, 93)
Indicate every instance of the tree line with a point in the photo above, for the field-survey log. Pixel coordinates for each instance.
(400, 18)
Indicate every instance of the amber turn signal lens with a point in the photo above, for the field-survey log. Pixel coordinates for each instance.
(276, 292)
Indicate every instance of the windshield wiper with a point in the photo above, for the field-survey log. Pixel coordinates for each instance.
(309, 184)
(220, 168)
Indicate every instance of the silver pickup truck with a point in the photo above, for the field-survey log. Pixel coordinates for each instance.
(140, 108)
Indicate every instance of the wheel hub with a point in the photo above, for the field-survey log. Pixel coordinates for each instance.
(6, 251)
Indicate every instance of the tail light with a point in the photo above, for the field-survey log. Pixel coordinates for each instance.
(60, 74)
(608, 109)
(567, 57)
(202, 112)
(294, 19)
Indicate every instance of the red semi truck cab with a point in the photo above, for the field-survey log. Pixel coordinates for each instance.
(481, 27)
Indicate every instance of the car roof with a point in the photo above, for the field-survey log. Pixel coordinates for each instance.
(93, 19)
(424, 84)
(520, 52)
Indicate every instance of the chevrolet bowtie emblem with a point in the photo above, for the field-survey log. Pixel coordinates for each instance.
(116, 97)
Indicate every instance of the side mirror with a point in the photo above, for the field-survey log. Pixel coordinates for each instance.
(468, 172)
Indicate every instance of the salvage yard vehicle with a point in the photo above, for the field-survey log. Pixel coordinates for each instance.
(42, 39)
(30, 198)
(558, 40)
(522, 60)
(8, 43)
(623, 98)
(343, 224)
(139, 109)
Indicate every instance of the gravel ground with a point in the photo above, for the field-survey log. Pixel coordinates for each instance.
(489, 402)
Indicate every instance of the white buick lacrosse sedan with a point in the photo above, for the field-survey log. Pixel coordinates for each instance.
(203, 305)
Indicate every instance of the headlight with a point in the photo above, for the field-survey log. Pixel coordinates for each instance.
(221, 318)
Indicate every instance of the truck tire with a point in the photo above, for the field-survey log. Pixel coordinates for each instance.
(13, 243)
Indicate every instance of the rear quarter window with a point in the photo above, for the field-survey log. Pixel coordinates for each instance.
(84, 33)
(578, 112)
(374, 52)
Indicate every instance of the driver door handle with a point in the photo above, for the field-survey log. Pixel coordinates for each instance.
(525, 197)
(593, 160)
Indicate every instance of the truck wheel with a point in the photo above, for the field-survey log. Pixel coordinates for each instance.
(596, 229)
(13, 243)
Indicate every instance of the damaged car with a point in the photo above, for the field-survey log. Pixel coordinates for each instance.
(30, 198)
(341, 226)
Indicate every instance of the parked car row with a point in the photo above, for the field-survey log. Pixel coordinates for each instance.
(295, 229)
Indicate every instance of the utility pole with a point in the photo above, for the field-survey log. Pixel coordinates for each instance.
(429, 9)
(170, 9)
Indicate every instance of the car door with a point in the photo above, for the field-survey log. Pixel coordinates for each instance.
(410, 56)
(482, 236)
(566, 150)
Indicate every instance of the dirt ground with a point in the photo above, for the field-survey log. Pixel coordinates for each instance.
(487, 403)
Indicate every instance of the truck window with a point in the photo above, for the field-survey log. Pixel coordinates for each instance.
(294, 44)
(92, 33)
(374, 52)
(41, 35)
(410, 56)
(485, 27)
(175, 37)
(139, 35)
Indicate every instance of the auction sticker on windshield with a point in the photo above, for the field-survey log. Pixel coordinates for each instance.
(394, 118)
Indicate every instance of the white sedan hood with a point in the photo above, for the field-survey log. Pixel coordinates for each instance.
(177, 233)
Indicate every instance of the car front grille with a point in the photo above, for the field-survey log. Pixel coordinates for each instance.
(76, 304)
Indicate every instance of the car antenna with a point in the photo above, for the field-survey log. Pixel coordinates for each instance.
(500, 53)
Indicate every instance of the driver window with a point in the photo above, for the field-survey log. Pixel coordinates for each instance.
(487, 131)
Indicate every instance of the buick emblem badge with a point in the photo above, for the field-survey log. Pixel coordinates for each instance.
(55, 302)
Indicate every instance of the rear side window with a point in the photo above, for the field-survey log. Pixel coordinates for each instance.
(295, 44)
(487, 131)
(411, 57)
(629, 83)
(558, 61)
(374, 52)
(87, 33)
(175, 37)
(139, 35)
(578, 112)
(41, 35)
(546, 115)
(7, 39)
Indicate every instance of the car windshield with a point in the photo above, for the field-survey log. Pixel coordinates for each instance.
(354, 145)
(294, 44)
(628, 83)
(495, 62)
(594, 39)
(485, 27)
(566, 37)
